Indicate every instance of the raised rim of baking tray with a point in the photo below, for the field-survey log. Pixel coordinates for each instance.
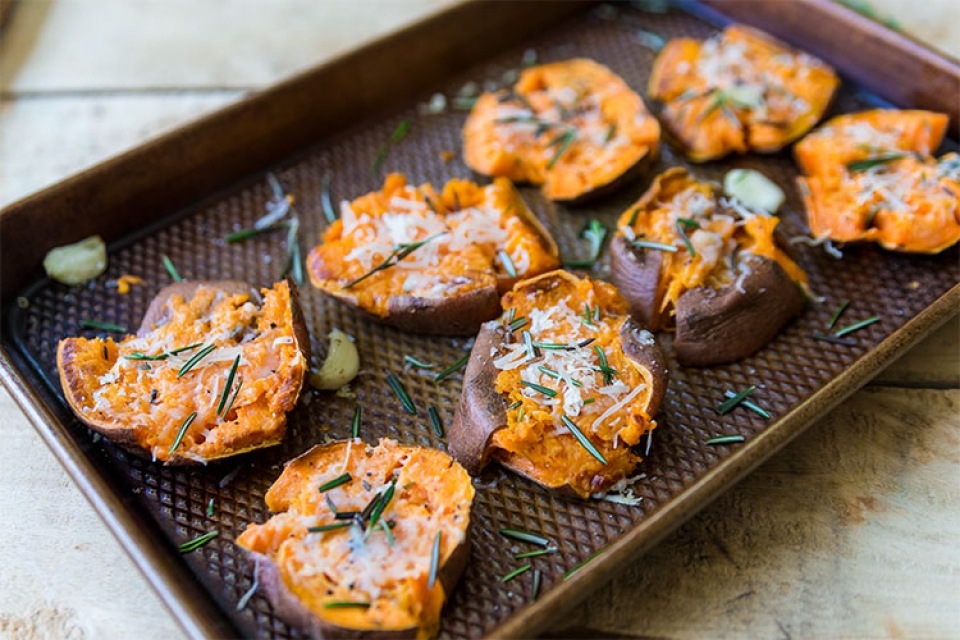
(87, 203)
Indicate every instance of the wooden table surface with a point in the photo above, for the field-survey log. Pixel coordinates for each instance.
(851, 531)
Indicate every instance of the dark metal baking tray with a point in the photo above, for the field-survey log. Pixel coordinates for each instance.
(181, 194)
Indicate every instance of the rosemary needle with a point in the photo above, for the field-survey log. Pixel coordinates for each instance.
(449, 371)
(524, 536)
(732, 438)
(198, 542)
(401, 394)
(182, 432)
(336, 482)
(102, 326)
(172, 270)
(516, 572)
(434, 560)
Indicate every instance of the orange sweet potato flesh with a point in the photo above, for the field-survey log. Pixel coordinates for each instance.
(739, 91)
(142, 404)
(303, 572)
(871, 176)
(728, 299)
(499, 418)
(477, 242)
(573, 127)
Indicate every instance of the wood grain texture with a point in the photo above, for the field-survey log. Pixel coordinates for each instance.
(850, 531)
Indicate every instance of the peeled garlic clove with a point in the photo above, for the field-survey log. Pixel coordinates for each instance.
(340, 367)
(753, 189)
(78, 262)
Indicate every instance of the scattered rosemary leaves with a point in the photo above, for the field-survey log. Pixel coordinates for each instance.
(862, 165)
(195, 360)
(856, 326)
(326, 201)
(507, 263)
(534, 554)
(182, 432)
(516, 572)
(226, 388)
(581, 565)
(562, 142)
(434, 560)
(345, 604)
(659, 246)
(582, 439)
(102, 326)
(547, 391)
(198, 542)
(452, 369)
(172, 270)
(595, 233)
(732, 438)
(728, 405)
(336, 482)
(399, 252)
(355, 424)
(747, 404)
(246, 234)
(417, 363)
(836, 314)
(435, 421)
(525, 536)
(397, 387)
(693, 224)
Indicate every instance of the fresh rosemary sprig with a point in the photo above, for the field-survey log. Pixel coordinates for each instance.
(198, 542)
(182, 432)
(399, 252)
(582, 439)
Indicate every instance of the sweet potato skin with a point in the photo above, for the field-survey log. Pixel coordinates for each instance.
(124, 434)
(482, 411)
(290, 608)
(716, 326)
(636, 273)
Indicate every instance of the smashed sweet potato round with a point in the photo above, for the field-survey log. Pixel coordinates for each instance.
(872, 176)
(211, 373)
(429, 262)
(357, 532)
(573, 127)
(739, 91)
(688, 258)
(560, 388)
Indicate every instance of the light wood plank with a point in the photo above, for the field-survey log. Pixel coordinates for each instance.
(849, 532)
(102, 45)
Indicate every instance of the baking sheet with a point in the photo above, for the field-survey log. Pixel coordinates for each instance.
(795, 375)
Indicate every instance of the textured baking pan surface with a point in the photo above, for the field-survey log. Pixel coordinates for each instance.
(787, 373)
